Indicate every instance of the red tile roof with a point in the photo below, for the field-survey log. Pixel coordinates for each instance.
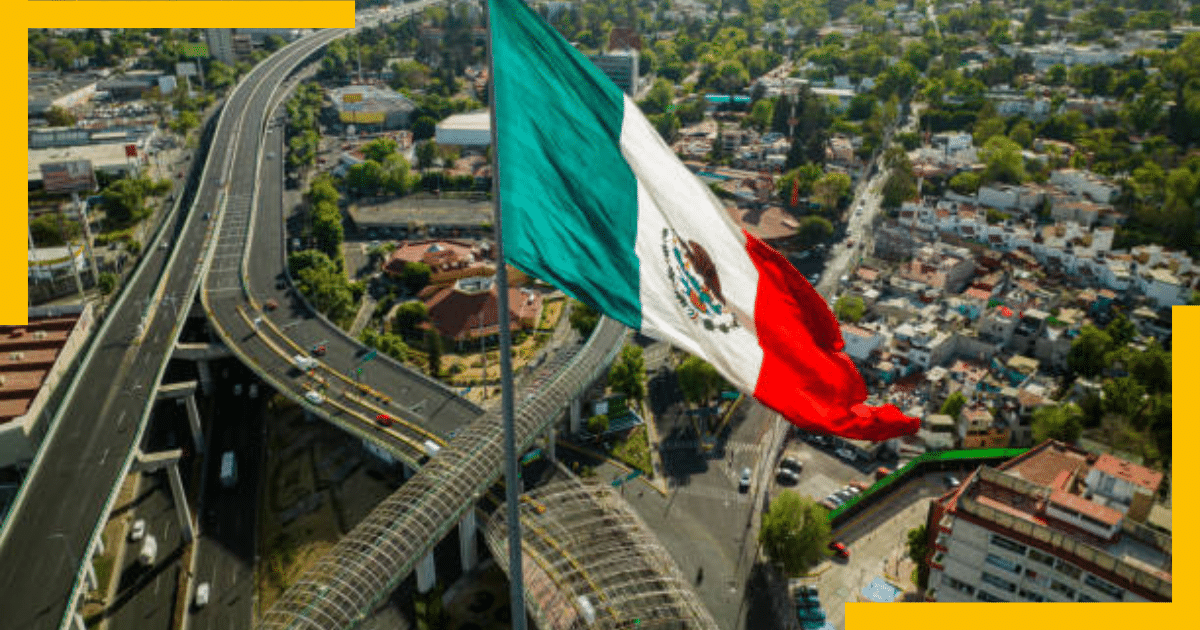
(1133, 473)
(457, 314)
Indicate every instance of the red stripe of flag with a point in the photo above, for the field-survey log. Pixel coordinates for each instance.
(805, 376)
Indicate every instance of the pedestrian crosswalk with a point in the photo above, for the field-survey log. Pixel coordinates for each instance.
(717, 494)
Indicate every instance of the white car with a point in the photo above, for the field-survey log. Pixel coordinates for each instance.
(202, 594)
(314, 397)
(138, 531)
(845, 454)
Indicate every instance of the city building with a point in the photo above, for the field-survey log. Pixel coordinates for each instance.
(621, 66)
(33, 360)
(469, 310)
(448, 261)
(470, 129)
(370, 105)
(220, 44)
(1054, 524)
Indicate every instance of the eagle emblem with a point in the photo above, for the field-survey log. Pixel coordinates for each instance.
(696, 283)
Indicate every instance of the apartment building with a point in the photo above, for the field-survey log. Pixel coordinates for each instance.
(1053, 524)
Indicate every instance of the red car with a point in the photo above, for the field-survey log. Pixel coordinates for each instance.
(384, 420)
(271, 305)
(318, 350)
(840, 549)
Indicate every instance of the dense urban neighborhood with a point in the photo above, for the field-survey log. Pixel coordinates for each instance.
(266, 313)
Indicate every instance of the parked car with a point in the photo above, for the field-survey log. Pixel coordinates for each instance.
(271, 304)
(318, 350)
(237, 389)
(952, 481)
(788, 462)
(839, 548)
(744, 482)
(254, 390)
(202, 595)
(787, 476)
(845, 454)
(138, 531)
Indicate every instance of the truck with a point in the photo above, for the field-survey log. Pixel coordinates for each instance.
(149, 551)
(228, 469)
(304, 363)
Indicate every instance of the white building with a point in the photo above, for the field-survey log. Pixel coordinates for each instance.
(1085, 184)
(472, 129)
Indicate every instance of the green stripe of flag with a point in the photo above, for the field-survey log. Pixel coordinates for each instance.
(568, 197)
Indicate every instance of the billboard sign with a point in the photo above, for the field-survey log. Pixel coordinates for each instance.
(73, 176)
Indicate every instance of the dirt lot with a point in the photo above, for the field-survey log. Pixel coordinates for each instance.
(319, 485)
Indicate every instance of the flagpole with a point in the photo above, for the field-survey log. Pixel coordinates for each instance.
(512, 480)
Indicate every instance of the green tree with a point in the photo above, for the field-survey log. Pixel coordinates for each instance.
(1003, 161)
(698, 380)
(410, 315)
(1121, 330)
(58, 117)
(415, 276)
(813, 229)
(965, 183)
(1022, 133)
(628, 374)
(953, 405)
(379, 149)
(658, 98)
(433, 348)
(106, 282)
(598, 424)
(849, 308)
(1152, 368)
(328, 290)
(900, 186)
(1124, 397)
(424, 127)
(794, 532)
(761, 114)
(667, 125)
(124, 200)
(583, 318)
(47, 231)
(831, 189)
(918, 548)
(427, 152)
(1089, 351)
(1062, 422)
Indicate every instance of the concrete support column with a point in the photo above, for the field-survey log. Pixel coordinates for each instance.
(180, 498)
(575, 425)
(205, 377)
(100, 545)
(78, 622)
(466, 540)
(425, 574)
(408, 472)
(550, 436)
(194, 422)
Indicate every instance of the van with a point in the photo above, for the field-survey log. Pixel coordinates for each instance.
(149, 551)
(305, 363)
(228, 469)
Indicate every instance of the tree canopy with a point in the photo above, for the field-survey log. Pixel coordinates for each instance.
(698, 379)
(794, 532)
(1062, 422)
(628, 374)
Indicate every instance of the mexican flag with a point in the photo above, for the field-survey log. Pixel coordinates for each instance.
(594, 202)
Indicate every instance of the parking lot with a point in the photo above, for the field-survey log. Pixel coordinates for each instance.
(823, 471)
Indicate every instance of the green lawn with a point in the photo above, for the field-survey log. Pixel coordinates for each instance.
(635, 450)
